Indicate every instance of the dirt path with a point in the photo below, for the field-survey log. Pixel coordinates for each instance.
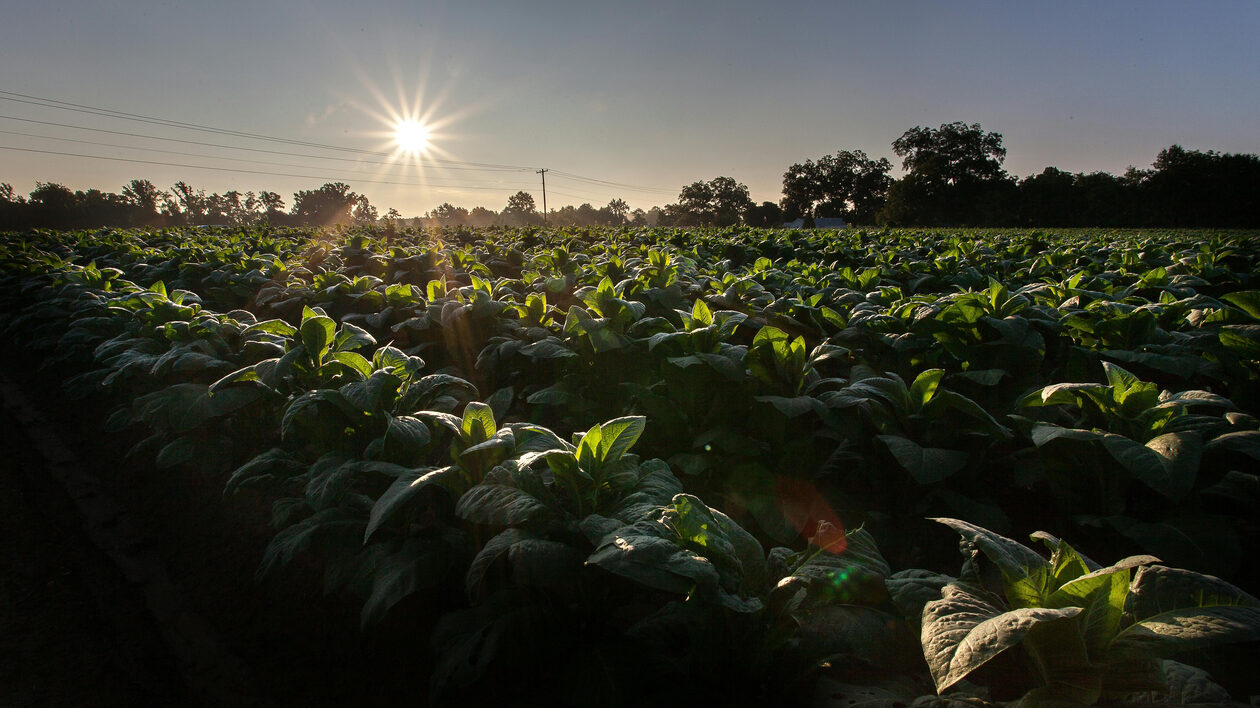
(72, 631)
(124, 585)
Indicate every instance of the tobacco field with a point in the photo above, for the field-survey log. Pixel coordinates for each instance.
(928, 467)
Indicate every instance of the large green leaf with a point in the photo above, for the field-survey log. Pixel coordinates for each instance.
(1014, 559)
(478, 424)
(925, 464)
(619, 435)
(317, 333)
(911, 589)
(1101, 596)
(962, 631)
(1168, 463)
(420, 563)
(641, 553)
(502, 505)
(1248, 300)
(924, 387)
(405, 488)
(532, 561)
(1180, 611)
(405, 437)
(1243, 339)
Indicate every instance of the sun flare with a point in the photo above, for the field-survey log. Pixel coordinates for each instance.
(411, 136)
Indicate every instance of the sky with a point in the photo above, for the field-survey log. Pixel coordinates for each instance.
(616, 99)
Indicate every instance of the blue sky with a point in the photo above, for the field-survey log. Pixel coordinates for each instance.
(655, 95)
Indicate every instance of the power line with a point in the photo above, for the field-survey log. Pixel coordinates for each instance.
(620, 185)
(107, 112)
(110, 113)
(166, 122)
(209, 157)
(252, 172)
(242, 148)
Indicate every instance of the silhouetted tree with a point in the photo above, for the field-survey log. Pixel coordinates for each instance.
(448, 214)
(144, 198)
(618, 208)
(954, 172)
(482, 217)
(1192, 188)
(520, 208)
(719, 202)
(332, 203)
(767, 214)
(848, 184)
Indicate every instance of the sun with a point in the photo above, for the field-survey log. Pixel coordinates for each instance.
(411, 136)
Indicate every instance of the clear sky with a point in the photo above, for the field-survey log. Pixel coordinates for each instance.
(655, 95)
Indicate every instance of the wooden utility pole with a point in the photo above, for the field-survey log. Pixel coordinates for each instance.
(543, 172)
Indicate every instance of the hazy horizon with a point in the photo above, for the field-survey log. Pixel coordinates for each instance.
(650, 97)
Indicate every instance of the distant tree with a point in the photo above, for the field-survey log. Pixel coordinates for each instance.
(520, 208)
(848, 184)
(587, 215)
(333, 203)
(719, 202)
(952, 154)
(364, 212)
(144, 198)
(1050, 199)
(393, 214)
(766, 215)
(191, 204)
(638, 217)
(448, 214)
(482, 217)
(618, 208)
(270, 202)
(1193, 188)
(1105, 200)
(14, 214)
(677, 215)
(53, 205)
(955, 176)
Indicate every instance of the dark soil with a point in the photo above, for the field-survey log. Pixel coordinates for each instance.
(72, 630)
(75, 631)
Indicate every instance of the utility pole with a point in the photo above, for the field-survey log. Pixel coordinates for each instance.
(543, 172)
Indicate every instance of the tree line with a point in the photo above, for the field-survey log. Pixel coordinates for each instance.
(953, 177)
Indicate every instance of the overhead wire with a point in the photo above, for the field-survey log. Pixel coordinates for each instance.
(109, 113)
(165, 122)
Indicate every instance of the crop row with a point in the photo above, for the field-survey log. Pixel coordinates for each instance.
(827, 396)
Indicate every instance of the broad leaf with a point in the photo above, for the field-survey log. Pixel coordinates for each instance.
(925, 464)
(1168, 463)
(962, 631)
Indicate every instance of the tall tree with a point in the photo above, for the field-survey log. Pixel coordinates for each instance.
(847, 184)
(955, 176)
(520, 208)
(448, 214)
(619, 209)
(144, 196)
(719, 202)
(192, 203)
(333, 203)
